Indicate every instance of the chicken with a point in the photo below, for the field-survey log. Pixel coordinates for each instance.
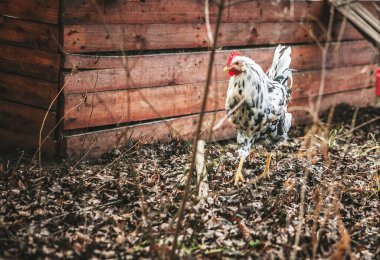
(257, 103)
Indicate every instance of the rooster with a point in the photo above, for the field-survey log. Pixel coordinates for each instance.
(257, 103)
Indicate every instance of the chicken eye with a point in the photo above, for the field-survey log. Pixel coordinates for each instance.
(237, 63)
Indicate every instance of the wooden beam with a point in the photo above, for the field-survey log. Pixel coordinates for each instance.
(187, 11)
(366, 15)
(116, 37)
(27, 90)
(360, 17)
(115, 107)
(98, 142)
(362, 24)
(35, 63)
(185, 68)
(29, 34)
(36, 10)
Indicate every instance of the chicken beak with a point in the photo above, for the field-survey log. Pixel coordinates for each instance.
(226, 68)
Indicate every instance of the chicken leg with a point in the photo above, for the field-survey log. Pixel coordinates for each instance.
(238, 175)
(267, 165)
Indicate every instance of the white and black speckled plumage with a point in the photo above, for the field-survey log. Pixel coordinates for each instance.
(262, 118)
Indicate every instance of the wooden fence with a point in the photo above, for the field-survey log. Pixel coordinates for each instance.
(137, 69)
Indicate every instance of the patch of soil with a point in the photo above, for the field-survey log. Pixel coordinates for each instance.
(321, 200)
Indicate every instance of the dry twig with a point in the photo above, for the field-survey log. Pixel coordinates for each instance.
(197, 132)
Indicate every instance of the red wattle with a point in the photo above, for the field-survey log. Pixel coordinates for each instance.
(233, 72)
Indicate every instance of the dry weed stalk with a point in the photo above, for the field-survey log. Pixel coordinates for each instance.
(301, 216)
(316, 140)
(318, 200)
(245, 230)
(40, 141)
(342, 247)
(198, 130)
(90, 116)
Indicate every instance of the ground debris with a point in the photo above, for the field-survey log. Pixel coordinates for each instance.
(95, 210)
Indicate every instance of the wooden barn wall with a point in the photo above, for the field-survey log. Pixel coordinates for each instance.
(29, 72)
(137, 69)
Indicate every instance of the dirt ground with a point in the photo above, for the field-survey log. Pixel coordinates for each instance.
(321, 200)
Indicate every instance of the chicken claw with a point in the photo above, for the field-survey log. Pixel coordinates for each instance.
(238, 177)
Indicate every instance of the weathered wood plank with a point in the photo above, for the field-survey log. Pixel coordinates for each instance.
(183, 127)
(35, 10)
(98, 142)
(27, 90)
(188, 11)
(29, 62)
(24, 33)
(114, 107)
(25, 119)
(310, 55)
(358, 97)
(11, 139)
(116, 37)
(307, 84)
(185, 68)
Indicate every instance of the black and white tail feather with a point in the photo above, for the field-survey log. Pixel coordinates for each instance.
(279, 70)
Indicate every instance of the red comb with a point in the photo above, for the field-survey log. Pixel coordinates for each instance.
(232, 55)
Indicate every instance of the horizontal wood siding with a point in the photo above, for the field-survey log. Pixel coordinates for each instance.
(142, 65)
(117, 37)
(303, 57)
(11, 139)
(29, 62)
(26, 90)
(362, 97)
(45, 11)
(97, 142)
(192, 11)
(114, 107)
(25, 119)
(185, 68)
(108, 26)
(29, 72)
(187, 11)
(39, 36)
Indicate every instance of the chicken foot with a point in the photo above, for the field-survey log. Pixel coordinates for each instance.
(267, 165)
(238, 175)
